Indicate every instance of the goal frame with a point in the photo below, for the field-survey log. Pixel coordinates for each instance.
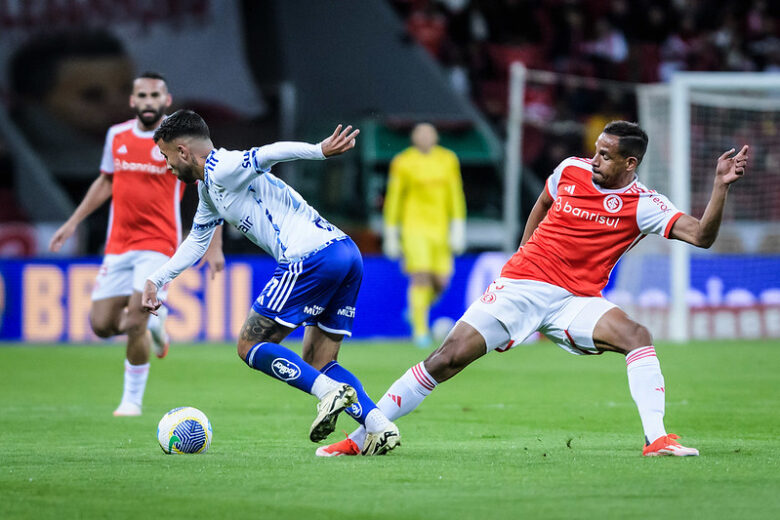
(680, 173)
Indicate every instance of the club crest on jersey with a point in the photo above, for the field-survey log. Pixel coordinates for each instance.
(488, 297)
(285, 370)
(157, 154)
(613, 203)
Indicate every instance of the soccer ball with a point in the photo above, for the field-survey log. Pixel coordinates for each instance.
(184, 430)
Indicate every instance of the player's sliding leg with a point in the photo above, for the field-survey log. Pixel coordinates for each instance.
(403, 396)
(462, 346)
(616, 331)
(137, 362)
(320, 349)
(259, 347)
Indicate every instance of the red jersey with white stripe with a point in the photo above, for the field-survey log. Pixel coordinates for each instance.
(588, 229)
(146, 195)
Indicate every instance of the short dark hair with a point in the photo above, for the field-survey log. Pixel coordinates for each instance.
(150, 74)
(182, 123)
(633, 140)
(34, 66)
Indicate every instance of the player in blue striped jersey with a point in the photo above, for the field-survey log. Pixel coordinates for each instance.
(319, 268)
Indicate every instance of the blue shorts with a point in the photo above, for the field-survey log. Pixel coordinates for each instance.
(319, 290)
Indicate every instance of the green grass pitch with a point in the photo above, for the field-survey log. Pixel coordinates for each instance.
(532, 433)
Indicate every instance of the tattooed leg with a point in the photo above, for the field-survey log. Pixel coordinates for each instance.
(257, 329)
(258, 346)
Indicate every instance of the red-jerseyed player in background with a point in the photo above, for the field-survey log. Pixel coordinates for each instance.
(144, 231)
(591, 212)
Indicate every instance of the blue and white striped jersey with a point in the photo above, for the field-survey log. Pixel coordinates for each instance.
(239, 189)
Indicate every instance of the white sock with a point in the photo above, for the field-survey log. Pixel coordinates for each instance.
(376, 421)
(402, 397)
(647, 388)
(135, 383)
(322, 385)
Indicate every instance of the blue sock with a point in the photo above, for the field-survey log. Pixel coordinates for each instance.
(359, 410)
(282, 363)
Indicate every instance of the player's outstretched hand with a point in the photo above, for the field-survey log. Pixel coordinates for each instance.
(149, 299)
(339, 141)
(61, 236)
(730, 169)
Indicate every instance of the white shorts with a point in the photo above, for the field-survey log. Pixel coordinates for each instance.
(511, 310)
(120, 275)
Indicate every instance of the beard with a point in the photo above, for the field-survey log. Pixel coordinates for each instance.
(150, 117)
(186, 174)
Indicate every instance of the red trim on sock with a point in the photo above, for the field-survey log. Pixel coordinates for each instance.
(419, 375)
(640, 353)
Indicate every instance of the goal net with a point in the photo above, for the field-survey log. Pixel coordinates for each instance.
(731, 290)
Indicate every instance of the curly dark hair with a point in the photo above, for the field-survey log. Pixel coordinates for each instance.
(180, 124)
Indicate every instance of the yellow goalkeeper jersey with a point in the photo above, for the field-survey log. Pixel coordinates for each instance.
(424, 192)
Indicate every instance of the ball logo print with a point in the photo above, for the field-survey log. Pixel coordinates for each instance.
(613, 203)
(285, 370)
(184, 430)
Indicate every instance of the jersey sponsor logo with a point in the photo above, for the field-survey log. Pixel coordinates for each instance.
(157, 154)
(285, 370)
(122, 149)
(313, 310)
(347, 311)
(154, 169)
(661, 204)
(587, 215)
(355, 410)
(613, 203)
(569, 189)
(245, 225)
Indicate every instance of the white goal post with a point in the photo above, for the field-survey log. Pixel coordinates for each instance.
(721, 91)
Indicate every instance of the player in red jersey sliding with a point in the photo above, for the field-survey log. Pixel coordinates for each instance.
(144, 231)
(590, 213)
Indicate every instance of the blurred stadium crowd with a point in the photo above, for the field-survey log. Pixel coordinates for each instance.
(638, 40)
(585, 56)
(597, 50)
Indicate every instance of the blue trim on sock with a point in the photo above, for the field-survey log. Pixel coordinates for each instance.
(328, 366)
(359, 410)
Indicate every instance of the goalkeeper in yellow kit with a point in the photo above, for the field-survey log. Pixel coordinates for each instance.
(424, 221)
